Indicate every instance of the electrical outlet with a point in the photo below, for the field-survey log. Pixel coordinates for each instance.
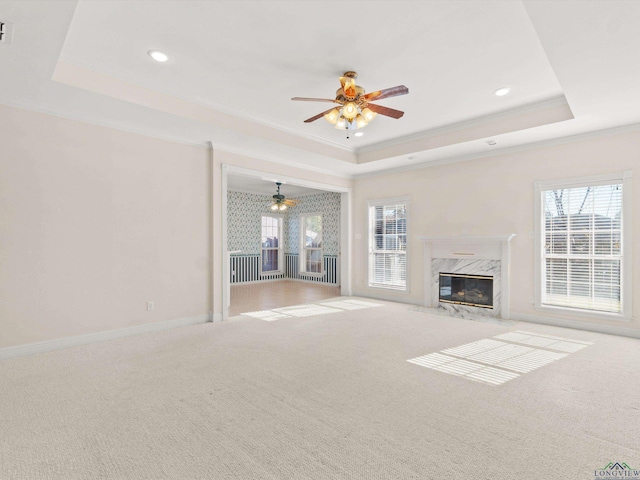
(149, 306)
(6, 29)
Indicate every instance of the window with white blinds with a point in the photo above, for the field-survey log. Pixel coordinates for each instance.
(388, 244)
(583, 246)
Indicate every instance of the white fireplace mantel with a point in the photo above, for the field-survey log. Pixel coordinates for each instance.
(470, 247)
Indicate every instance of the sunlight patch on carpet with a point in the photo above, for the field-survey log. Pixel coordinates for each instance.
(311, 309)
(464, 368)
(351, 304)
(495, 362)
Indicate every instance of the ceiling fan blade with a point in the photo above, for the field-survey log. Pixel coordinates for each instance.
(306, 99)
(387, 92)
(389, 112)
(313, 119)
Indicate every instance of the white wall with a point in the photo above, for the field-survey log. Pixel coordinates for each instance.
(493, 196)
(94, 223)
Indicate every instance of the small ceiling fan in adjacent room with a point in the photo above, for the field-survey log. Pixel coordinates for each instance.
(280, 202)
(355, 110)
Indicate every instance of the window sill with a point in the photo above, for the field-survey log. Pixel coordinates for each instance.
(617, 317)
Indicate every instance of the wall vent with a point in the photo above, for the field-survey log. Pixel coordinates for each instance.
(5, 32)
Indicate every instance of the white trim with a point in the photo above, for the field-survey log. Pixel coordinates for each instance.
(232, 169)
(344, 261)
(537, 244)
(560, 310)
(559, 101)
(577, 325)
(627, 238)
(265, 280)
(388, 201)
(41, 347)
(424, 164)
(387, 298)
(311, 282)
(586, 181)
(212, 236)
(226, 283)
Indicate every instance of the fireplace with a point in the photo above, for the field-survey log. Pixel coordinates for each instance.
(480, 260)
(462, 289)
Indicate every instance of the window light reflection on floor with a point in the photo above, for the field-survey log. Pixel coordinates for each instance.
(495, 362)
(311, 309)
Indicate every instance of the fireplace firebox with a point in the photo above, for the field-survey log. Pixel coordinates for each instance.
(461, 289)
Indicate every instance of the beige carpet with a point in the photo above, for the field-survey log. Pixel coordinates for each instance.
(330, 396)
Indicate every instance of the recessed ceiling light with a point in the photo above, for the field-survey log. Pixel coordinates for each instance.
(358, 134)
(491, 142)
(158, 56)
(502, 91)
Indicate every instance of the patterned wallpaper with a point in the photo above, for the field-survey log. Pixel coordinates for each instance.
(326, 203)
(245, 209)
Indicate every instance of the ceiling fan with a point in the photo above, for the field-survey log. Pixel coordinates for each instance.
(354, 109)
(280, 202)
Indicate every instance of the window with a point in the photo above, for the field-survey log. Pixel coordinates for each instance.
(271, 244)
(583, 236)
(311, 240)
(388, 244)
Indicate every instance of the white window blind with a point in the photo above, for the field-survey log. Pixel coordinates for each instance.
(388, 245)
(582, 247)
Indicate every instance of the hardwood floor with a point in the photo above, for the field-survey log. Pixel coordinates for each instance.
(283, 293)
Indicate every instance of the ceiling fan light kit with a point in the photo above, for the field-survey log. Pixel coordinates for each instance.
(355, 111)
(280, 202)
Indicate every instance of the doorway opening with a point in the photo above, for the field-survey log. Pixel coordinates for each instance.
(305, 246)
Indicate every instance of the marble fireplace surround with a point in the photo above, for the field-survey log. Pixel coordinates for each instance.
(469, 254)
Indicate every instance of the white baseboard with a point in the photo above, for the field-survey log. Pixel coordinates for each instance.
(576, 324)
(387, 298)
(302, 280)
(41, 347)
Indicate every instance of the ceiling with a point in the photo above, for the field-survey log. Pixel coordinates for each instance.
(234, 66)
(267, 186)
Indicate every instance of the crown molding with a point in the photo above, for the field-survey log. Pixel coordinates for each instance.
(505, 151)
(473, 122)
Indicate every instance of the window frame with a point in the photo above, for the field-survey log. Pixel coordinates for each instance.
(371, 205)
(279, 248)
(304, 248)
(626, 291)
